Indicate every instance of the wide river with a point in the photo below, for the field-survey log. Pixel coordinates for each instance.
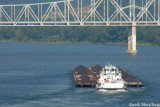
(40, 75)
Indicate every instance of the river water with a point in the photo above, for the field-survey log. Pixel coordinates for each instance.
(40, 75)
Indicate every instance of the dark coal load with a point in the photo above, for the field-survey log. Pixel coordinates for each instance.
(96, 69)
(82, 70)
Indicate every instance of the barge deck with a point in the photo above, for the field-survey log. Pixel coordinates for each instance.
(88, 77)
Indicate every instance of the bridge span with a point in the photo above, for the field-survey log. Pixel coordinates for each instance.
(129, 13)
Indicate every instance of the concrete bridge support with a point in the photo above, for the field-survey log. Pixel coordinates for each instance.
(132, 41)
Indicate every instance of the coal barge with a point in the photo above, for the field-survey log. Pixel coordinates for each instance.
(88, 77)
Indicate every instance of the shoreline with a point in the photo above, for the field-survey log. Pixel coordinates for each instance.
(138, 44)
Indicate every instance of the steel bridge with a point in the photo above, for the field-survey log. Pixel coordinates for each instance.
(85, 13)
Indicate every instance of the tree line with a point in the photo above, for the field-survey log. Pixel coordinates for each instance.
(103, 35)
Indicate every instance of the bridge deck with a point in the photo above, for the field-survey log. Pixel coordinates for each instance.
(75, 13)
(87, 77)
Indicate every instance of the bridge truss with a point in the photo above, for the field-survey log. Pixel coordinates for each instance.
(83, 13)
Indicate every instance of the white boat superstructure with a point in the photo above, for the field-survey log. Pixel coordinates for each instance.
(110, 79)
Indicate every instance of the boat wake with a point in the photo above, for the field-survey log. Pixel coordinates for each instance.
(103, 91)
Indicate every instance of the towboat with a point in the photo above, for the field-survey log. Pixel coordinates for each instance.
(110, 79)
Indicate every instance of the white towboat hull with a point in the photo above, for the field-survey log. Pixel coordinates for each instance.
(111, 86)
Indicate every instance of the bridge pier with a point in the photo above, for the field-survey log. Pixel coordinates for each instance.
(132, 41)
